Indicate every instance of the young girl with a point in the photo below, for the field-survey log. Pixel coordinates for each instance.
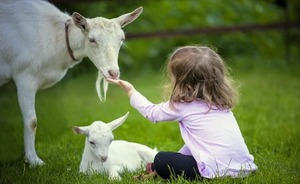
(201, 98)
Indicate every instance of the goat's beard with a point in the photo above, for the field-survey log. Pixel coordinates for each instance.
(101, 80)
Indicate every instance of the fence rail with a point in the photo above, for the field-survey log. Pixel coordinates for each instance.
(214, 30)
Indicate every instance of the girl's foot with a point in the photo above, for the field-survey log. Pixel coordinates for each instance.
(149, 168)
(149, 174)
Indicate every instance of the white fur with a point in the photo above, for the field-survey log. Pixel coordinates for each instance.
(34, 55)
(104, 155)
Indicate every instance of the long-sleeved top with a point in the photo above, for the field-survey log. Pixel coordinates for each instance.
(212, 136)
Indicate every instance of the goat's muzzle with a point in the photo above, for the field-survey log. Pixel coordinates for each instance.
(114, 74)
(103, 158)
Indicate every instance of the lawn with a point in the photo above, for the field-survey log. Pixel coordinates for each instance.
(268, 115)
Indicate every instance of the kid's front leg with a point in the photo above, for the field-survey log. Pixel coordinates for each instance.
(113, 174)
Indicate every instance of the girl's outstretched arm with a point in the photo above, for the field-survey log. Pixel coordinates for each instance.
(153, 112)
(126, 86)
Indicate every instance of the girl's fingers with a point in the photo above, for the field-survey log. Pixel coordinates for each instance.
(117, 82)
(113, 81)
(126, 86)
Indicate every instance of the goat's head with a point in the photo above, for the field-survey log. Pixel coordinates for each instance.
(103, 39)
(99, 136)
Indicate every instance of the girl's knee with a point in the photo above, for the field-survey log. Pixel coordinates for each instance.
(173, 164)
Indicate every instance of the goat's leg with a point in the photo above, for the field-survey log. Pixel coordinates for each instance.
(26, 97)
(3, 78)
(2, 81)
(113, 173)
(5, 72)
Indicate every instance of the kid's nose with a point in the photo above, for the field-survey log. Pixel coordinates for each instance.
(103, 158)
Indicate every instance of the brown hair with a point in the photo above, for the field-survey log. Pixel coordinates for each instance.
(199, 73)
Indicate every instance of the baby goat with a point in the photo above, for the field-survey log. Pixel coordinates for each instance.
(104, 155)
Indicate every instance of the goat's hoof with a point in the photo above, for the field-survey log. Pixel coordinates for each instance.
(35, 162)
(115, 178)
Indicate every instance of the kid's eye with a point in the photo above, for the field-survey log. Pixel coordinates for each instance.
(92, 143)
(92, 40)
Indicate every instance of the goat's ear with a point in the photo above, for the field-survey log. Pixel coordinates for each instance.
(127, 18)
(117, 122)
(80, 130)
(81, 22)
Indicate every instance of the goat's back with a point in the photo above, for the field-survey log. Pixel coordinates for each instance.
(29, 27)
(130, 155)
(32, 41)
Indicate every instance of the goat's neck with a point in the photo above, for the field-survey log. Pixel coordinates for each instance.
(76, 40)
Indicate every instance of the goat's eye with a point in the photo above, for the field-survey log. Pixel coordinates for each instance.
(92, 40)
(92, 143)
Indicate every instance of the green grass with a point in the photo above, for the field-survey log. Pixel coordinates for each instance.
(268, 115)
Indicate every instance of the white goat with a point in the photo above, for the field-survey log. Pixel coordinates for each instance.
(39, 43)
(104, 155)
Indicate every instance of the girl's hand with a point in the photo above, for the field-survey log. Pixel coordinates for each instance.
(126, 86)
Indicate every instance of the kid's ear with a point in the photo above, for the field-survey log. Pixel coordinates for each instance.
(80, 130)
(117, 122)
